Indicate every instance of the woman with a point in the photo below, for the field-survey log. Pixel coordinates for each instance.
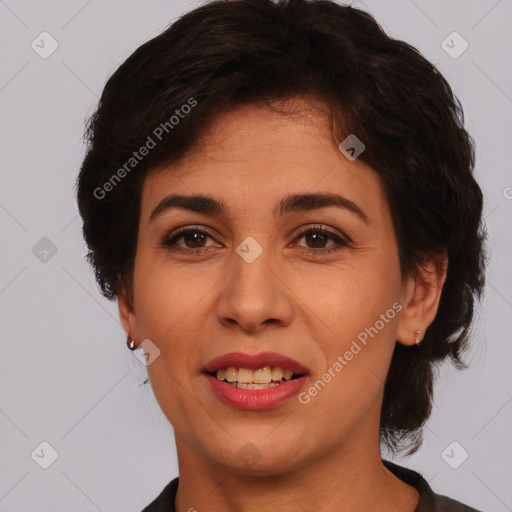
(281, 198)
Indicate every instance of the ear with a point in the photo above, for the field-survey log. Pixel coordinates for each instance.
(127, 314)
(420, 299)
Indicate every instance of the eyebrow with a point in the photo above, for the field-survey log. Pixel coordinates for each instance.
(291, 203)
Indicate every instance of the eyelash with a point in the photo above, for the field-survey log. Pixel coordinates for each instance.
(169, 240)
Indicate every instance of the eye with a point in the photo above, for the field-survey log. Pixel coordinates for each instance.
(318, 237)
(194, 238)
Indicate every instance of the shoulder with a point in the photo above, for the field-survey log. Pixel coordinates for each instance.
(445, 504)
(429, 500)
(164, 502)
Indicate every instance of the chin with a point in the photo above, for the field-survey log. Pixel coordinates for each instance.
(254, 458)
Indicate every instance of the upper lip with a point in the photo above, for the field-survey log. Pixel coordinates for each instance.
(255, 361)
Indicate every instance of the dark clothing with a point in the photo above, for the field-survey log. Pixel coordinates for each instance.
(429, 501)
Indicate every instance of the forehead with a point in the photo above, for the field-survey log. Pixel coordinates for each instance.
(252, 156)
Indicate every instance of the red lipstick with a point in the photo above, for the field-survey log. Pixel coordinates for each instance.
(256, 399)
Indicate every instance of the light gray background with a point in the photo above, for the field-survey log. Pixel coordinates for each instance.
(66, 375)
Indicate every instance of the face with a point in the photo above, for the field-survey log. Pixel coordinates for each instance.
(317, 281)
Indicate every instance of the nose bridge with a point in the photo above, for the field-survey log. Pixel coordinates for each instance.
(251, 269)
(252, 294)
(251, 282)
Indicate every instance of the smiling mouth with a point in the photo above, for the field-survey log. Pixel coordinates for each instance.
(262, 378)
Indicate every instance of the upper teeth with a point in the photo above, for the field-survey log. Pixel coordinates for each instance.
(260, 376)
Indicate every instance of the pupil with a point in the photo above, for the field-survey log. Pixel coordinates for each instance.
(195, 238)
(317, 237)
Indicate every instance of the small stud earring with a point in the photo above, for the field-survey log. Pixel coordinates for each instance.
(417, 339)
(130, 343)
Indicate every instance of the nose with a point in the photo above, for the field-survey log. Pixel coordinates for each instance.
(253, 296)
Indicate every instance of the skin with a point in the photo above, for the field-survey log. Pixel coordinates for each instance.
(324, 455)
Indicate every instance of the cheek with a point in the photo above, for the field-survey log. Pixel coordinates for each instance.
(348, 297)
(164, 306)
(167, 304)
(168, 298)
(358, 307)
(350, 385)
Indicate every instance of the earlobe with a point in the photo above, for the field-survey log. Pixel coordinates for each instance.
(421, 297)
(128, 318)
(417, 336)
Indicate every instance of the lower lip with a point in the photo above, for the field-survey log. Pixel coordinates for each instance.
(256, 399)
